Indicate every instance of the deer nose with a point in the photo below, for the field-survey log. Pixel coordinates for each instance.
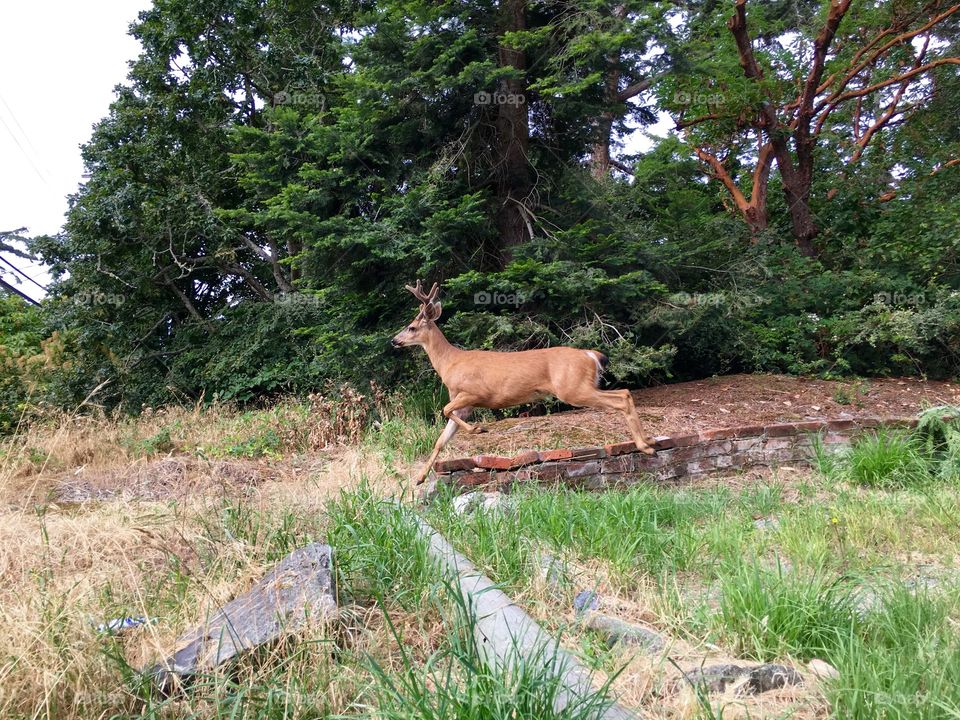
(395, 343)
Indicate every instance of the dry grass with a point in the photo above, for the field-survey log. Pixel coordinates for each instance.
(177, 512)
(96, 524)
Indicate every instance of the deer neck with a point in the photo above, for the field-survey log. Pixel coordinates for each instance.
(440, 351)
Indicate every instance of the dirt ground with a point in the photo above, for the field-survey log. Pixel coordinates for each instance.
(727, 401)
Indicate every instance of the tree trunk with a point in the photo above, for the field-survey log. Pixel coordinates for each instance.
(600, 157)
(804, 227)
(796, 187)
(513, 132)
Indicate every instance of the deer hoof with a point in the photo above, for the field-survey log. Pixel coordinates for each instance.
(646, 449)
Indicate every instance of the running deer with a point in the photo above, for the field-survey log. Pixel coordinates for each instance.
(481, 378)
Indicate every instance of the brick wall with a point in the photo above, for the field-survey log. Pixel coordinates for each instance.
(678, 456)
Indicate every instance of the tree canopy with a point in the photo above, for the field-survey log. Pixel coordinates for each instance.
(273, 173)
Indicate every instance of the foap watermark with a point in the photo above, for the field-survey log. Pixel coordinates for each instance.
(499, 98)
(716, 299)
(99, 298)
(900, 299)
(300, 97)
(515, 299)
(682, 97)
(298, 299)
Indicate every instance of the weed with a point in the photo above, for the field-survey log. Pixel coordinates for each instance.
(773, 613)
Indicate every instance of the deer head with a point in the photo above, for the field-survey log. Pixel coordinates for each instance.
(423, 324)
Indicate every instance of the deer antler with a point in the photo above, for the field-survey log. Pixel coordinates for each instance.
(427, 299)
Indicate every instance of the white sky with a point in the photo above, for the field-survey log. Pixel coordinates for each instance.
(59, 63)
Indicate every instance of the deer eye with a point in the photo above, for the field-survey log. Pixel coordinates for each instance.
(412, 328)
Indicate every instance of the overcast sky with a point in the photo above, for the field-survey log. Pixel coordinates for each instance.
(59, 63)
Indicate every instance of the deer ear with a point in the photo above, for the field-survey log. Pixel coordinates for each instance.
(432, 311)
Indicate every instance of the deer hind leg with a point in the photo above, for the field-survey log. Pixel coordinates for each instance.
(611, 400)
(448, 432)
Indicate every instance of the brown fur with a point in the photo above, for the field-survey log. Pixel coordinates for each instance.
(481, 378)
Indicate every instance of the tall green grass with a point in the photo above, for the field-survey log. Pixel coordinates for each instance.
(890, 459)
(455, 682)
(770, 614)
(379, 553)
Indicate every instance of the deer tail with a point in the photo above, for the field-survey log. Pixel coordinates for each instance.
(601, 362)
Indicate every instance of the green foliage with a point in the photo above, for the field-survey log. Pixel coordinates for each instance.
(21, 335)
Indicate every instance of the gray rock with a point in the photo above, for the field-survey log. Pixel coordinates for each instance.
(767, 524)
(472, 501)
(585, 600)
(618, 631)
(750, 680)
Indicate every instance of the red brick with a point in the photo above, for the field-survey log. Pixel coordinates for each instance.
(669, 472)
(700, 466)
(545, 471)
(899, 422)
(778, 443)
(579, 469)
(527, 457)
(746, 443)
(472, 479)
(665, 442)
(550, 455)
(780, 430)
(620, 448)
(810, 426)
(869, 422)
(720, 447)
(448, 466)
(720, 434)
(620, 464)
(841, 424)
(492, 462)
(746, 431)
(590, 453)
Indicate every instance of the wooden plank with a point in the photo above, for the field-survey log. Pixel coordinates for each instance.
(506, 635)
(300, 587)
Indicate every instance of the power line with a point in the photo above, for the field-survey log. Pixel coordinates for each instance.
(21, 273)
(23, 132)
(25, 154)
(15, 291)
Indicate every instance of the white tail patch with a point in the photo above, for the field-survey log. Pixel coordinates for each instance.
(596, 359)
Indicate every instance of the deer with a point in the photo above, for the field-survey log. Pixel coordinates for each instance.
(498, 380)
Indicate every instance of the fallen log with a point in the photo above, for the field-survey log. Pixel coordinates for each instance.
(299, 588)
(506, 635)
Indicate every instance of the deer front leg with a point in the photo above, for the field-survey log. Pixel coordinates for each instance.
(448, 432)
(453, 423)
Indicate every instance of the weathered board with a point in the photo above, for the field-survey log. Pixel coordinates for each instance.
(506, 634)
(300, 587)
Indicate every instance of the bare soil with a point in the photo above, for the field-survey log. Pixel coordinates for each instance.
(728, 401)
